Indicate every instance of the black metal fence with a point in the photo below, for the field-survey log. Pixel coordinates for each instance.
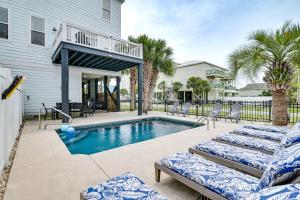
(250, 110)
(260, 111)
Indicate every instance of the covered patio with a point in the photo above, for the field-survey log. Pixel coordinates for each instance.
(75, 46)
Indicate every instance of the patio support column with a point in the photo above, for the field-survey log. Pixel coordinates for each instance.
(118, 105)
(65, 83)
(140, 89)
(96, 94)
(105, 93)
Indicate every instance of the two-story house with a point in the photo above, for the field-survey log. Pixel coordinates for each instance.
(69, 51)
(220, 81)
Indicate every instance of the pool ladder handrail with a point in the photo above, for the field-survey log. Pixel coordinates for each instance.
(205, 118)
(57, 110)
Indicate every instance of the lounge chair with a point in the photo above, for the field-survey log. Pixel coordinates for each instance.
(244, 160)
(266, 146)
(174, 108)
(185, 109)
(216, 181)
(126, 186)
(275, 136)
(216, 111)
(252, 143)
(275, 129)
(235, 113)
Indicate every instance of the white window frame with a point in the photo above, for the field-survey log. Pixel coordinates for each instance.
(29, 38)
(107, 20)
(8, 23)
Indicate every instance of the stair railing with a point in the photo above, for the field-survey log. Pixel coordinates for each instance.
(202, 119)
(57, 110)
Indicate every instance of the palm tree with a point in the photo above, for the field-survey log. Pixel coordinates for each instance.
(276, 53)
(206, 88)
(176, 86)
(163, 87)
(157, 58)
(195, 84)
(133, 79)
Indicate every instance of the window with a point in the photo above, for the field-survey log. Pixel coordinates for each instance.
(3, 23)
(37, 31)
(106, 9)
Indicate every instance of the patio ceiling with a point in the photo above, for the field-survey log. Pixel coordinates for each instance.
(82, 56)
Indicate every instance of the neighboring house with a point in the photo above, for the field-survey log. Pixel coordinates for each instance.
(67, 50)
(252, 90)
(221, 83)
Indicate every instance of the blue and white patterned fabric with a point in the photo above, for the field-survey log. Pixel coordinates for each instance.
(248, 157)
(276, 129)
(227, 182)
(284, 162)
(124, 187)
(260, 134)
(251, 142)
(292, 137)
(283, 192)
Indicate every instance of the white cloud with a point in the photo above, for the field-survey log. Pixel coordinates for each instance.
(204, 29)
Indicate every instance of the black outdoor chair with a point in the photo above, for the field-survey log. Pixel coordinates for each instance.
(88, 109)
(76, 108)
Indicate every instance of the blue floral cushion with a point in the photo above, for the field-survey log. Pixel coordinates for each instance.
(124, 187)
(276, 129)
(283, 192)
(292, 137)
(248, 157)
(260, 134)
(284, 162)
(251, 142)
(225, 181)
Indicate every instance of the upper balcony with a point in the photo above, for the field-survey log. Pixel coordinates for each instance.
(215, 73)
(73, 34)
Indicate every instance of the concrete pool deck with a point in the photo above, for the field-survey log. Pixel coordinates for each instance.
(44, 169)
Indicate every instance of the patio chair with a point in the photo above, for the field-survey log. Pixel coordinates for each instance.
(185, 109)
(126, 186)
(235, 113)
(88, 109)
(174, 108)
(216, 111)
(216, 181)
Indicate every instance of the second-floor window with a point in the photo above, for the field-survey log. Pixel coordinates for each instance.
(3, 23)
(37, 31)
(106, 9)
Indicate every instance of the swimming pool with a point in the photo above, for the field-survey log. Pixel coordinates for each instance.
(101, 137)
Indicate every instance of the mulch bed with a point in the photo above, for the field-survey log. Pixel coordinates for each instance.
(5, 174)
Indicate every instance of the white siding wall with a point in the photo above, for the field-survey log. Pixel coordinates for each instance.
(42, 77)
(11, 112)
(182, 74)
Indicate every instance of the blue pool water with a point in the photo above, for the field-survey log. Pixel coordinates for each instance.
(97, 138)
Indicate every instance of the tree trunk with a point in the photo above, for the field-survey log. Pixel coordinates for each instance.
(146, 84)
(132, 89)
(153, 81)
(279, 108)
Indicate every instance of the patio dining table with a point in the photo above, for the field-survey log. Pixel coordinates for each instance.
(74, 108)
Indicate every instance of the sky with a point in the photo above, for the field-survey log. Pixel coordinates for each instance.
(206, 30)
